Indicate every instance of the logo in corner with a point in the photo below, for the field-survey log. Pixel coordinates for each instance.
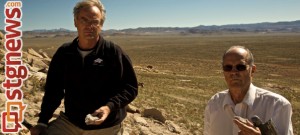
(98, 61)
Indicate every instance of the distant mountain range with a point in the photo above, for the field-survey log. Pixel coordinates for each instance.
(265, 27)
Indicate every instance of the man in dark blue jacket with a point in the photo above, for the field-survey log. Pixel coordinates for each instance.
(94, 76)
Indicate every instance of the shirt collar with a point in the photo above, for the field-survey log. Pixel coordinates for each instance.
(248, 99)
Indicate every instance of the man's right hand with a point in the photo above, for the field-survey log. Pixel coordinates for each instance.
(38, 130)
(246, 126)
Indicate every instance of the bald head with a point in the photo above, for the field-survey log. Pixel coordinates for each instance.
(241, 51)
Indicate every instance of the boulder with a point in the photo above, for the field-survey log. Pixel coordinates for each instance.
(34, 53)
(1, 39)
(2, 90)
(173, 127)
(140, 120)
(154, 113)
(41, 77)
(39, 64)
(2, 77)
(46, 61)
(2, 51)
(132, 109)
(32, 69)
(2, 99)
(44, 54)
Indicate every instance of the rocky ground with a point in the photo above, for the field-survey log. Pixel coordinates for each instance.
(149, 121)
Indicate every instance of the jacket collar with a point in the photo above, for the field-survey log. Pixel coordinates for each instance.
(99, 45)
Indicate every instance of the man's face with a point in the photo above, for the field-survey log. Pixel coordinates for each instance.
(87, 23)
(237, 72)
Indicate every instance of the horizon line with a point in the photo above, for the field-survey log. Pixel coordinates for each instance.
(165, 26)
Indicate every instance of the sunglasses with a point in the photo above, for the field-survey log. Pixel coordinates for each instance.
(239, 67)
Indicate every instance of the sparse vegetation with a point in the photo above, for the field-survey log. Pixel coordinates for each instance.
(186, 70)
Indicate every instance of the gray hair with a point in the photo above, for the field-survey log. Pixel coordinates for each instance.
(90, 3)
(249, 57)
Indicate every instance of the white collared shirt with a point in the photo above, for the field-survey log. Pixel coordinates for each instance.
(265, 104)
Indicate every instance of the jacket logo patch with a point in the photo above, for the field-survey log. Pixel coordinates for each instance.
(98, 61)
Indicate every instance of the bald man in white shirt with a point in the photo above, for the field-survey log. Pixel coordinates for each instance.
(245, 100)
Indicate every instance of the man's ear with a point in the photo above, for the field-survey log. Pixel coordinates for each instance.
(75, 23)
(253, 69)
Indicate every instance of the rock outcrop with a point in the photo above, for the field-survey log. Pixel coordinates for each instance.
(149, 121)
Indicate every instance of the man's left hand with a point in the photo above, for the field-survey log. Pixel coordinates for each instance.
(246, 127)
(102, 113)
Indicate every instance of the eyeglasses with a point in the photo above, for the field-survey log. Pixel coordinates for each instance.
(239, 67)
(94, 23)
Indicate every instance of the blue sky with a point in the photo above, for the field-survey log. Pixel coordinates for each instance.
(121, 14)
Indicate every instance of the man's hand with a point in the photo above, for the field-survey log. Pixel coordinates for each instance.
(102, 113)
(38, 130)
(246, 127)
